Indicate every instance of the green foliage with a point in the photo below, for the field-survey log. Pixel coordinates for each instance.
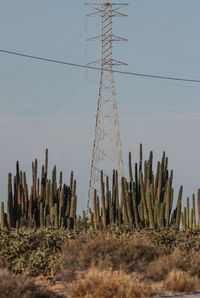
(146, 200)
(46, 204)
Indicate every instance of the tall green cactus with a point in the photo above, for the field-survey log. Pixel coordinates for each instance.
(10, 216)
(198, 204)
(178, 207)
(2, 215)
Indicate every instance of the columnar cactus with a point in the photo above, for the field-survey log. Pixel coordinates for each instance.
(2, 215)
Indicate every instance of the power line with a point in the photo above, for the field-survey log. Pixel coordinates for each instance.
(5, 103)
(142, 75)
(56, 35)
(40, 98)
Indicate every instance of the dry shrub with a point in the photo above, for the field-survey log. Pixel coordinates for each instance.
(159, 268)
(194, 268)
(126, 254)
(181, 281)
(108, 284)
(18, 287)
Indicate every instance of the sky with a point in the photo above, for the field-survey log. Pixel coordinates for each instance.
(45, 105)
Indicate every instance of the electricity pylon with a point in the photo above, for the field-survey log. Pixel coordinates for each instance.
(107, 152)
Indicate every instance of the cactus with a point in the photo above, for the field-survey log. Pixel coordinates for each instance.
(149, 206)
(56, 215)
(188, 214)
(146, 200)
(134, 203)
(143, 199)
(141, 158)
(2, 215)
(130, 167)
(41, 215)
(10, 216)
(46, 162)
(178, 207)
(198, 204)
(103, 202)
(194, 213)
(167, 202)
(95, 209)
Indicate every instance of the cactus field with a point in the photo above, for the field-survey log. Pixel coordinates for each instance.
(144, 200)
(137, 239)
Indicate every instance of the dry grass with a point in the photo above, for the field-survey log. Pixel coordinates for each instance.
(160, 267)
(109, 284)
(123, 266)
(19, 287)
(180, 281)
(105, 252)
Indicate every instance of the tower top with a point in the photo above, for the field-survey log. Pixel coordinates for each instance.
(106, 12)
(113, 8)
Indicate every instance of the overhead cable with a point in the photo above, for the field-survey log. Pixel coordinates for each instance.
(142, 75)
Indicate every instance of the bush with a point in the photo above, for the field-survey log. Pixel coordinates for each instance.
(181, 281)
(18, 287)
(108, 284)
(105, 252)
(159, 268)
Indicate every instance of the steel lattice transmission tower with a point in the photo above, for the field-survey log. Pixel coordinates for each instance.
(107, 152)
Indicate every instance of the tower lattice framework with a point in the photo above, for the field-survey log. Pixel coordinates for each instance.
(107, 151)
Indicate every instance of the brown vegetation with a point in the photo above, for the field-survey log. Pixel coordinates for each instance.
(108, 284)
(105, 252)
(180, 281)
(20, 287)
(112, 264)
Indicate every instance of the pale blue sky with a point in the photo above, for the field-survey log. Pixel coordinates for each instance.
(163, 38)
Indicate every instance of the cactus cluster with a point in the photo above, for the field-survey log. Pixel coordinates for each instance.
(145, 200)
(188, 217)
(47, 204)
